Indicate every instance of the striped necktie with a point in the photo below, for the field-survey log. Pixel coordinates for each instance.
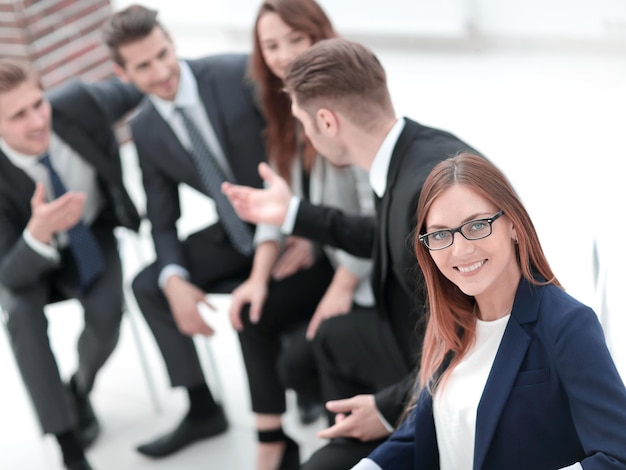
(83, 244)
(212, 178)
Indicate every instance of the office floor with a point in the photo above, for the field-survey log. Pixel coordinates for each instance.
(553, 120)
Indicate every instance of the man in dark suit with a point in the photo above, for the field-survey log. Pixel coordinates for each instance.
(61, 196)
(339, 93)
(198, 123)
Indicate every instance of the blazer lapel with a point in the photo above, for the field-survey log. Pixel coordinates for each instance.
(208, 95)
(21, 186)
(505, 369)
(382, 255)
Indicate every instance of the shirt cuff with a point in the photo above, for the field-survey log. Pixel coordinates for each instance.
(576, 466)
(366, 464)
(45, 250)
(290, 217)
(171, 270)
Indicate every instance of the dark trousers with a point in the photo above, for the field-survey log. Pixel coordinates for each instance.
(210, 259)
(297, 366)
(356, 354)
(290, 304)
(340, 454)
(27, 326)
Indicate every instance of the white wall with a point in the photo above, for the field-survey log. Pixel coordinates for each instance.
(577, 19)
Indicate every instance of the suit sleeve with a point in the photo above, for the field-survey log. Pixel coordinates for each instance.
(115, 98)
(398, 451)
(162, 204)
(351, 233)
(392, 400)
(595, 390)
(20, 265)
(414, 444)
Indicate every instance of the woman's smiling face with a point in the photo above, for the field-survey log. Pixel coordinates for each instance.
(477, 267)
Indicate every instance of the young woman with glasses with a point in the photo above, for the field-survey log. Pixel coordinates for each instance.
(515, 373)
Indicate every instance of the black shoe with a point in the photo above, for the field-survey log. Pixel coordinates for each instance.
(308, 411)
(88, 428)
(80, 464)
(187, 432)
(291, 456)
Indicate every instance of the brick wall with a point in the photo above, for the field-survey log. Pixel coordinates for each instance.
(62, 38)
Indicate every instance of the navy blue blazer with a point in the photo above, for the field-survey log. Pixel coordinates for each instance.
(553, 397)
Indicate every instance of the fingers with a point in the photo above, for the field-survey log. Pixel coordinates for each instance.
(313, 326)
(342, 406)
(256, 308)
(285, 267)
(240, 198)
(204, 329)
(266, 172)
(339, 429)
(328, 433)
(234, 312)
(39, 196)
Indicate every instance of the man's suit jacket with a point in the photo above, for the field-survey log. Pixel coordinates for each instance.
(230, 105)
(553, 397)
(83, 116)
(389, 236)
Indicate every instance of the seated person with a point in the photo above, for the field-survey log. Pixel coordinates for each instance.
(61, 196)
(515, 373)
(339, 92)
(198, 125)
(292, 295)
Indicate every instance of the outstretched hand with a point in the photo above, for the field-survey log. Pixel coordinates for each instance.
(48, 218)
(256, 206)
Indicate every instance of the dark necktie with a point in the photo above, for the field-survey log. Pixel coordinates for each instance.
(212, 177)
(83, 244)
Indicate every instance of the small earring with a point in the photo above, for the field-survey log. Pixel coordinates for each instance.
(515, 240)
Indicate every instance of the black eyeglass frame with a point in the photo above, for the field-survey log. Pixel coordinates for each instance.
(489, 220)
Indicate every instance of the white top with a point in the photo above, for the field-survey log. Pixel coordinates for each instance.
(456, 403)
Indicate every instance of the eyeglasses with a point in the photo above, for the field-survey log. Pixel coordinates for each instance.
(472, 230)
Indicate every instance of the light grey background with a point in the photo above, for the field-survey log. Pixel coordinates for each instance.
(538, 86)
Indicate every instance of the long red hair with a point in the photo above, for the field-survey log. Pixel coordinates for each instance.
(281, 134)
(452, 323)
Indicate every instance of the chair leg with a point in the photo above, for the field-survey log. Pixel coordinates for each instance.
(145, 366)
(129, 245)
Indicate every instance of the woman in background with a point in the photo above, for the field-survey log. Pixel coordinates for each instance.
(515, 373)
(322, 282)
